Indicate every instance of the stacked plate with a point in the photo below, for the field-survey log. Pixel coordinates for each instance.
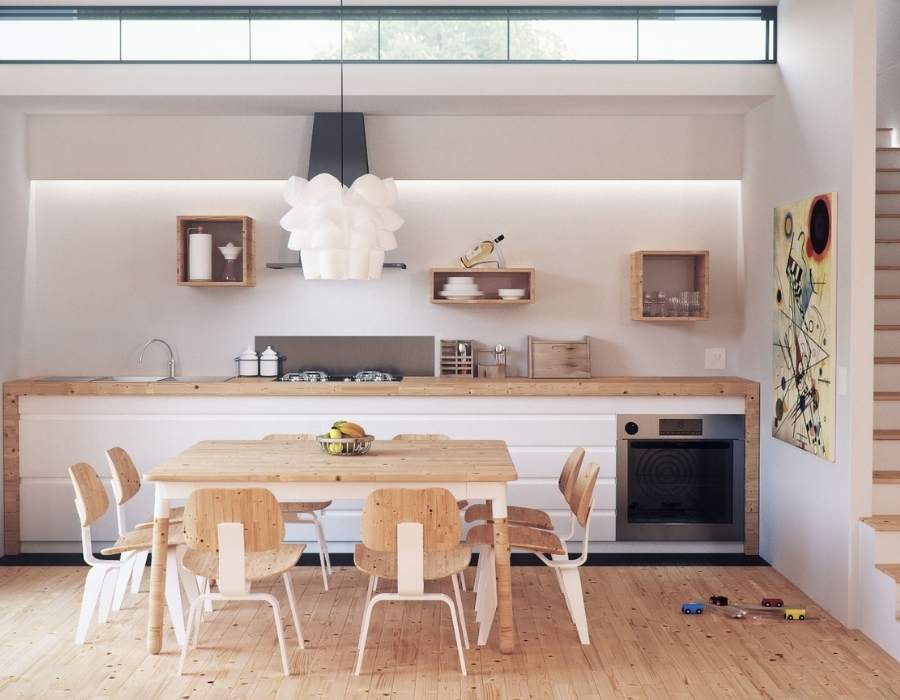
(511, 294)
(461, 289)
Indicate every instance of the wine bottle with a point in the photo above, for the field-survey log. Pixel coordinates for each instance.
(483, 254)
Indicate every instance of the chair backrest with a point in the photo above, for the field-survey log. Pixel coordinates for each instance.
(290, 436)
(256, 509)
(435, 509)
(91, 500)
(569, 474)
(126, 480)
(582, 496)
(420, 436)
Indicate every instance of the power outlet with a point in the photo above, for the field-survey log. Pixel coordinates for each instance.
(715, 358)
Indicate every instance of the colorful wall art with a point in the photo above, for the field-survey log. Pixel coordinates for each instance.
(803, 349)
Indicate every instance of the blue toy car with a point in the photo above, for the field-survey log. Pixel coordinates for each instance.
(692, 608)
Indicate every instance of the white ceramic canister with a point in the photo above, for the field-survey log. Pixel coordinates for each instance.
(268, 362)
(199, 255)
(248, 363)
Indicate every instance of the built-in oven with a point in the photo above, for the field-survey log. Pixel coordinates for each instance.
(680, 478)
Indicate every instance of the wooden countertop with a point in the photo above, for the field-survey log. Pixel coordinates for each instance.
(410, 386)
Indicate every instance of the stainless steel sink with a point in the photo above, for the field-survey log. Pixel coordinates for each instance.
(195, 380)
(131, 380)
(69, 379)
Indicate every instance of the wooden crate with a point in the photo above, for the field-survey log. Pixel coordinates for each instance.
(559, 359)
(673, 271)
(238, 230)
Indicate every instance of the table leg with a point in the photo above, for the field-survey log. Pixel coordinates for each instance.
(158, 572)
(504, 583)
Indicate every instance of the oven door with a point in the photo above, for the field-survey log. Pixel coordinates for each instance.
(680, 489)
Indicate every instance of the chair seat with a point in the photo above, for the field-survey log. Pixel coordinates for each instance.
(515, 515)
(176, 515)
(528, 538)
(136, 540)
(258, 565)
(463, 504)
(304, 507)
(436, 564)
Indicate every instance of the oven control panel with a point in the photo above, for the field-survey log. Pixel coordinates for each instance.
(680, 427)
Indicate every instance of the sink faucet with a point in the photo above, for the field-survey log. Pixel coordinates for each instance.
(168, 347)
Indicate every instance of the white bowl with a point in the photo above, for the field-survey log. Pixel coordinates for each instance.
(511, 292)
(461, 295)
(464, 280)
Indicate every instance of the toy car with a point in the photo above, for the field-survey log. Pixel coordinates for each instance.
(795, 613)
(719, 600)
(772, 603)
(692, 608)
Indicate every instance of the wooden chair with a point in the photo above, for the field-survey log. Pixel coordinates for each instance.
(105, 576)
(126, 483)
(236, 536)
(305, 512)
(542, 543)
(534, 517)
(412, 536)
(461, 504)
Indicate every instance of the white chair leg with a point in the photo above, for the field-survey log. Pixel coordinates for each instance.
(459, 649)
(478, 568)
(370, 590)
(279, 629)
(462, 580)
(126, 567)
(173, 596)
(193, 619)
(323, 548)
(462, 614)
(203, 585)
(107, 592)
(289, 590)
(571, 579)
(189, 582)
(93, 583)
(364, 630)
(559, 580)
(137, 573)
(375, 584)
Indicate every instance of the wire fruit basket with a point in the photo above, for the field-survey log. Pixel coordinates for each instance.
(345, 447)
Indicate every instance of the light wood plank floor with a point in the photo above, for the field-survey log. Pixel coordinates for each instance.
(643, 647)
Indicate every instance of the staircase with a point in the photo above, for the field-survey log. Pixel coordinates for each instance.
(879, 535)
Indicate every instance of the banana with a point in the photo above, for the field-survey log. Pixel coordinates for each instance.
(349, 429)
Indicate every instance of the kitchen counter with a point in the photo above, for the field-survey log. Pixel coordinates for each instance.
(410, 386)
(48, 425)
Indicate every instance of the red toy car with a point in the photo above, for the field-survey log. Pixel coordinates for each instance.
(772, 603)
(718, 600)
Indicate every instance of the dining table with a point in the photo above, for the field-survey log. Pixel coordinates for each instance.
(300, 470)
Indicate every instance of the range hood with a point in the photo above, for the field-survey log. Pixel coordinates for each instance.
(337, 148)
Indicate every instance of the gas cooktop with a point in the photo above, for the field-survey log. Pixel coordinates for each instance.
(315, 375)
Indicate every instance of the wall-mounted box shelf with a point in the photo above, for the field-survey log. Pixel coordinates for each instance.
(669, 272)
(489, 281)
(237, 230)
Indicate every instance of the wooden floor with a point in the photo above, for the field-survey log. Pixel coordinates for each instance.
(643, 647)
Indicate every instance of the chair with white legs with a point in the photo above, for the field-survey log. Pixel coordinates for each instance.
(543, 543)
(236, 536)
(126, 483)
(461, 504)
(305, 511)
(104, 575)
(412, 536)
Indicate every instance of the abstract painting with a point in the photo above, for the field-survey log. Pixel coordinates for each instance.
(803, 348)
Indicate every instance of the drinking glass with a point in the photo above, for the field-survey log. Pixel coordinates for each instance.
(695, 304)
(649, 304)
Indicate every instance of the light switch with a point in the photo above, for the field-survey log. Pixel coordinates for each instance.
(715, 358)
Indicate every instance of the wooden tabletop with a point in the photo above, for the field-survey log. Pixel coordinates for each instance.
(388, 461)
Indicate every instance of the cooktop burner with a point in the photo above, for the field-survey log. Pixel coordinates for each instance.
(315, 375)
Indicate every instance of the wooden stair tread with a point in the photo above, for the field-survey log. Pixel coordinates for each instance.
(887, 148)
(886, 476)
(887, 241)
(884, 128)
(887, 170)
(887, 395)
(892, 570)
(887, 360)
(887, 216)
(887, 296)
(886, 268)
(886, 434)
(883, 523)
(887, 327)
(887, 191)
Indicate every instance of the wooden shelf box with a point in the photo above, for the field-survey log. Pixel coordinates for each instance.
(671, 271)
(489, 280)
(237, 230)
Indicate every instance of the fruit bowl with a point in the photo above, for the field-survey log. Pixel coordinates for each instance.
(345, 447)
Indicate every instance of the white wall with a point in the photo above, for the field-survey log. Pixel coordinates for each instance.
(68, 147)
(14, 197)
(816, 135)
(888, 62)
(102, 272)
